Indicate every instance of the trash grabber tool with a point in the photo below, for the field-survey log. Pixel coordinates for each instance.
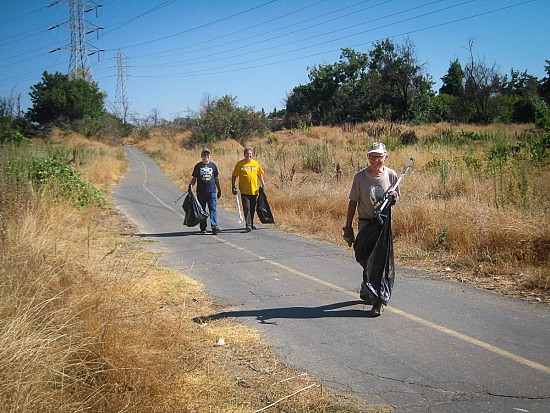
(181, 196)
(380, 208)
(241, 219)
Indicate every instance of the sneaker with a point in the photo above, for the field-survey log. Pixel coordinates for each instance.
(248, 229)
(216, 230)
(377, 309)
(253, 227)
(203, 231)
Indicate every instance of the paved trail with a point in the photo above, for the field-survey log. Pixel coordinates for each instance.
(440, 346)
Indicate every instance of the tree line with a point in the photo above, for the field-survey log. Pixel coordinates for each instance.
(389, 83)
(386, 82)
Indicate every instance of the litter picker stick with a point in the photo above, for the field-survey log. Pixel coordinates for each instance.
(182, 195)
(241, 220)
(393, 188)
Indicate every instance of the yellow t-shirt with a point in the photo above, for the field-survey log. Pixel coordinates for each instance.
(248, 172)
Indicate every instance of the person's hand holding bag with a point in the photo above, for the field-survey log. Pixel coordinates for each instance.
(348, 235)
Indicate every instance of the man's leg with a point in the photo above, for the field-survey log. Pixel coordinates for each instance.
(246, 200)
(202, 200)
(253, 199)
(213, 211)
(365, 293)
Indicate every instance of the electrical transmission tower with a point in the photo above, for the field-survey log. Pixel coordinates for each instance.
(79, 65)
(121, 101)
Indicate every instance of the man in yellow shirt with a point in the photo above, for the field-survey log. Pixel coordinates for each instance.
(250, 175)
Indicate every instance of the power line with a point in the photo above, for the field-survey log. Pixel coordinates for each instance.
(263, 23)
(223, 69)
(124, 23)
(22, 15)
(263, 49)
(199, 27)
(335, 31)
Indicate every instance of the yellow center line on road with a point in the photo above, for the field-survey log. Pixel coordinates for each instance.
(419, 320)
(404, 314)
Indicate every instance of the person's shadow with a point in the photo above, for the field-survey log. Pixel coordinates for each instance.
(191, 231)
(263, 315)
(169, 234)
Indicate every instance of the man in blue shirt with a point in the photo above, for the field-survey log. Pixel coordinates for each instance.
(205, 175)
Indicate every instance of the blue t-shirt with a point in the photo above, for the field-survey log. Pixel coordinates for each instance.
(205, 174)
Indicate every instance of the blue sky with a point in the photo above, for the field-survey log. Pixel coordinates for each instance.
(176, 53)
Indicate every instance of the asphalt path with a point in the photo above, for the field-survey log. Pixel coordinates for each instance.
(440, 346)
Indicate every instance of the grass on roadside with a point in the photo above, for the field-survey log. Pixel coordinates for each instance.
(89, 321)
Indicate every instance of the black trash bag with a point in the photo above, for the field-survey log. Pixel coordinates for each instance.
(374, 251)
(194, 212)
(262, 208)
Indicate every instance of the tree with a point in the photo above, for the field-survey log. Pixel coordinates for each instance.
(519, 101)
(325, 80)
(330, 95)
(520, 84)
(58, 99)
(351, 99)
(544, 87)
(222, 119)
(482, 83)
(386, 82)
(298, 106)
(398, 80)
(453, 81)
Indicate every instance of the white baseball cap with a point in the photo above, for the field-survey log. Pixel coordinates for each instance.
(377, 147)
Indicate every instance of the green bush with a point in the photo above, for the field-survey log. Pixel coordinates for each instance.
(440, 108)
(65, 181)
(530, 109)
(9, 135)
(223, 119)
(537, 147)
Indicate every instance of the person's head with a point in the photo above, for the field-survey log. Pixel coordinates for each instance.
(248, 152)
(377, 154)
(205, 155)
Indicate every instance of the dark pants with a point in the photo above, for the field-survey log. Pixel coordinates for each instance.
(249, 207)
(209, 199)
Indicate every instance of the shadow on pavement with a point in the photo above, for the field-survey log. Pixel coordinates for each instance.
(170, 234)
(263, 315)
(190, 232)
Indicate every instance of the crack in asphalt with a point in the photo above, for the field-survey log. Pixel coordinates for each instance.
(457, 394)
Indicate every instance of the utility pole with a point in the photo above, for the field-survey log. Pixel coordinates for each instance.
(121, 95)
(79, 65)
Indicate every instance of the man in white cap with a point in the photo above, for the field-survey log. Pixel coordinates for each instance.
(369, 188)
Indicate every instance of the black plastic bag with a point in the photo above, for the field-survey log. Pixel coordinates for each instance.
(194, 212)
(374, 251)
(262, 208)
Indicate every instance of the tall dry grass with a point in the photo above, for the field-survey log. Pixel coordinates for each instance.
(89, 322)
(464, 212)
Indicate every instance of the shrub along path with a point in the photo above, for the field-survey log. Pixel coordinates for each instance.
(439, 343)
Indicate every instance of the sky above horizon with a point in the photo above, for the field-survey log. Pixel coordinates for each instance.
(177, 53)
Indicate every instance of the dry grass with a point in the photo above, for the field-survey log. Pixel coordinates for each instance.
(473, 223)
(89, 322)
